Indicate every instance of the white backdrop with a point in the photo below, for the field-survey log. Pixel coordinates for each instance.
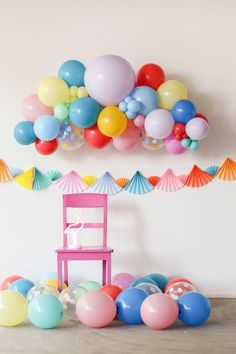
(188, 233)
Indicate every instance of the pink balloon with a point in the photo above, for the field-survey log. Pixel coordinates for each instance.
(123, 280)
(159, 311)
(96, 309)
(159, 124)
(174, 146)
(139, 121)
(9, 280)
(128, 140)
(32, 108)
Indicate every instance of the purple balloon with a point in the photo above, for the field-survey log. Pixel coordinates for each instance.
(197, 128)
(159, 124)
(109, 79)
(174, 146)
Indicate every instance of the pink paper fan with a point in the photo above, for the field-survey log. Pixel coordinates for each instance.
(71, 183)
(169, 182)
(183, 178)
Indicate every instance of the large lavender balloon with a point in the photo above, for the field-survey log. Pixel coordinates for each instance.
(159, 124)
(197, 128)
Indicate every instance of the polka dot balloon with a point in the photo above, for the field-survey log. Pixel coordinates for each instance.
(178, 289)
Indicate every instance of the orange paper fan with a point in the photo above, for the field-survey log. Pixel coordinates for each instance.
(153, 180)
(198, 178)
(122, 182)
(5, 175)
(227, 171)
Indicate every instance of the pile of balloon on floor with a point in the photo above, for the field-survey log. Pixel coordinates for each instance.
(106, 102)
(153, 300)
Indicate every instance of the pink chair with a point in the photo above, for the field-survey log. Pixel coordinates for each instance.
(103, 253)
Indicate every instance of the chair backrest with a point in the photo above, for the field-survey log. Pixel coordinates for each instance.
(85, 200)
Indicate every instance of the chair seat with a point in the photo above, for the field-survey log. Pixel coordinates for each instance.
(85, 249)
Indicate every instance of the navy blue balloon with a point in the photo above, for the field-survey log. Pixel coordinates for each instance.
(194, 308)
(24, 133)
(72, 72)
(84, 112)
(142, 280)
(22, 286)
(183, 111)
(147, 97)
(128, 304)
(160, 280)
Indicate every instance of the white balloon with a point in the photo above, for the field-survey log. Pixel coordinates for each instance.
(159, 124)
(197, 128)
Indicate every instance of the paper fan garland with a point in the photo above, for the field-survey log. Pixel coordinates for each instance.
(227, 171)
(198, 178)
(15, 171)
(89, 180)
(54, 175)
(5, 175)
(212, 170)
(153, 180)
(122, 182)
(138, 184)
(26, 179)
(71, 183)
(106, 185)
(169, 182)
(41, 180)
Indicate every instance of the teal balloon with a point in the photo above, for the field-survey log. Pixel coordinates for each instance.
(84, 112)
(45, 311)
(24, 133)
(142, 280)
(22, 286)
(186, 143)
(160, 280)
(72, 72)
(46, 127)
(194, 145)
(61, 112)
(148, 99)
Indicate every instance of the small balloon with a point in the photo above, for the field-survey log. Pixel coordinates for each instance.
(46, 147)
(72, 72)
(82, 92)
(151, 143)
(194, 145)
(61, 112)
(70, 137)
(24, 133)
(139, 121)
(42, 290)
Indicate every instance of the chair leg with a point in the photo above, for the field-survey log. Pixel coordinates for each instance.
(109, 269)
(66, 272)
(104, 272)
(59, 273)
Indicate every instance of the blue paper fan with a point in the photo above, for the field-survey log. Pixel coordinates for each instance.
(106, 185)
(15, 171)
(54, 175)
(138, 184)
(41, 180)
(212, 170)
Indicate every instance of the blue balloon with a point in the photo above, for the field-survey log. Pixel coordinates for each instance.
(46, 127)
(72, 72)
(142, 280)
(194, 308)
(24, 133)
(147, 97)
(183, 111)
(128, 304)
(22, 286)
(45, 311)
(84, 112)
(160, 280)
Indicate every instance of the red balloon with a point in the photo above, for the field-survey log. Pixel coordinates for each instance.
(179, 129)
(200, 115)
(46, 147)
(95, 138)
(112, 290)
(151, 75)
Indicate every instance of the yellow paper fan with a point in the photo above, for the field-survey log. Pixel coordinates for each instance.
(5, 175)
(122, 182)
(227, 171)
(89, 180)
(26, 179)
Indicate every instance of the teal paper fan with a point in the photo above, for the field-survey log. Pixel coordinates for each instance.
(54, 175)
(41, 180)
(15, 171)
(106, 185)
(212, 170)
(138, 184)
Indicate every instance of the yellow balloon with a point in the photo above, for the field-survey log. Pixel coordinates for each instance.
(53, 282)
(112, 121)
(170, 92)
(53, 91)
(82, 92)
(13, 308)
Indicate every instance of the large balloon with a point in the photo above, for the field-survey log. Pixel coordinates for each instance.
(151, 75)
(95, 138)
(174, 146)
(84, 112)
(129, 140)
(108, 79)
(24, 133)
(197, 128)
(46, 128)
(111, 121)
(147, 97)
(159, 124)
(32, 108)
(53, 91)
(72, 72)
(170, 92)
(46, 147)
(183, 111)
(13, 308)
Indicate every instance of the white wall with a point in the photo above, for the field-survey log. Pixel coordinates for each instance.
(188, 233)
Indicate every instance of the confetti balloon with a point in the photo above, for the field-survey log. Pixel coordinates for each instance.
(149, 288)
(42, 290)
(69, 298)
(151, 143)
(178, 289)
(70, 137)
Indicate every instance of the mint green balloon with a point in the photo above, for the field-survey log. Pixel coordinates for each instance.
(45, 311)
(186, 143)
(90, 285)
(61, 112)
(194, 145)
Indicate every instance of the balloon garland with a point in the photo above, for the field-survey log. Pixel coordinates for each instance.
(105, 103)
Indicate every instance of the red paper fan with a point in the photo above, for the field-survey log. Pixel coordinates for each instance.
(153, 180)
(198, 178)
